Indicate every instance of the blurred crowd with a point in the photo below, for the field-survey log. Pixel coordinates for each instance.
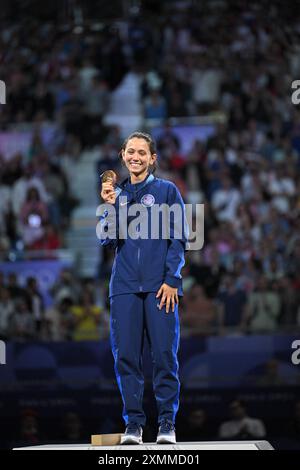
(231, 62)
(233, 422)
(76, 313)
(36, 199)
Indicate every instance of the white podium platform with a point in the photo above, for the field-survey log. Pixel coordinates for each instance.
(217, 445)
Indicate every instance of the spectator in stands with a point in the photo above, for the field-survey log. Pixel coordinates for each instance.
(29, 429)
(155, 106)
(87, 73)
(273, 269)
(200, 312)
(72, 428)
(293, 260)
(206, 83)
(282, 188)
(36, 304)
(61, 320)
(177, 106)
(4, 248)
(4, 208)
(233, 303)
(67, 286)
(263, 308)
(108, 159)
(49, 241)
(188, 280)
(34, 214)
(37, 147)
(167, 139)
(196, 426)
(245, 274)
(225, 201)
(96, 100)
(21, 188)
(176, 159)
(114, 137)
(241, 425)
(210, 270)
(194, 169)
(271, 376)
(56, 185)
(86, 318)
(290, 304)
(42, 103)
(22, 323)
(2, 279)
(6, 312)
(12, 170)
(16, 291)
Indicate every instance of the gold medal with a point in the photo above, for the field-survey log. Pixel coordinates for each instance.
(109, 176)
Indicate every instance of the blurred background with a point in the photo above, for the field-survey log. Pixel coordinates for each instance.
(211, 81)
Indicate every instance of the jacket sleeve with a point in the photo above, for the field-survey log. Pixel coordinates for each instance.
(178, 242)
(108, 227)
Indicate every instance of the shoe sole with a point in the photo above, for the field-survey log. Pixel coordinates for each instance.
(131, 440)
(166, 440)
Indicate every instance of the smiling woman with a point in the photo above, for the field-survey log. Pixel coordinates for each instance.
(145, 287)
(138, 154)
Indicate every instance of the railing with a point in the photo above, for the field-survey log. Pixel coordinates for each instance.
(26, 255)
(187, 331)
(213, 118)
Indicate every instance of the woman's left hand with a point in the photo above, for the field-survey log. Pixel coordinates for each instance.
(169, 296)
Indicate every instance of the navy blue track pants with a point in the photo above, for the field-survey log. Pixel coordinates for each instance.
(133, 316)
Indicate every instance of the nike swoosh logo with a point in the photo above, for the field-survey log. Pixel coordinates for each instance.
(124, 203)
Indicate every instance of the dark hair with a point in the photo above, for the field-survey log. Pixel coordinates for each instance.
(148, 139)
(240, 403)
(32, 191)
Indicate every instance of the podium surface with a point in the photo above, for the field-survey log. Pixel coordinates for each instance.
(209, 445)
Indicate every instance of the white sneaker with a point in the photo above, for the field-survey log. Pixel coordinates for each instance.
(133, 434)
(166, 433)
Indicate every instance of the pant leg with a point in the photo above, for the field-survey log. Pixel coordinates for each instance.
(163, 333)
(126, 335)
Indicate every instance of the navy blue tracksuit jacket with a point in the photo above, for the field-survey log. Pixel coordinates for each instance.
(140, 267)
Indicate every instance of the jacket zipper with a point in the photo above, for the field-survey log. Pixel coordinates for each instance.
(139, 277)
(139, 249)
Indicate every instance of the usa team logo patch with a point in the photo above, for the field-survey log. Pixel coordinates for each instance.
(147, 200)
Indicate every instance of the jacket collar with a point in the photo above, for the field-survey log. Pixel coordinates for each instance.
(131, 187)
